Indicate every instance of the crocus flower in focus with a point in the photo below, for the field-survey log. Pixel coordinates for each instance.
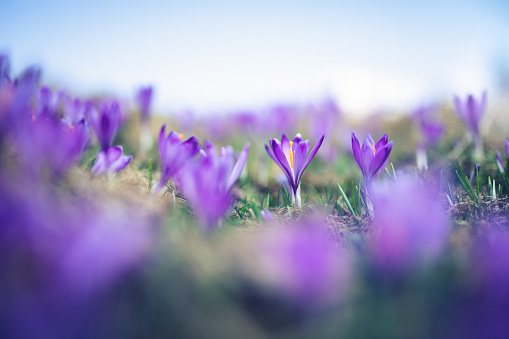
(371, 157)
(174, 154)
(110, 161)
(106, 123)
(207, 181)
(292, 157)
(471, 112)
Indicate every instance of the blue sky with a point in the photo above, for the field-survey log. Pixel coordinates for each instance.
(216, 55)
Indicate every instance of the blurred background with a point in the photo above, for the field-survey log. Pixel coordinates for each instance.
(215, 56)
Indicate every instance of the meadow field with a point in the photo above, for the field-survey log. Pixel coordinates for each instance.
(291, 221)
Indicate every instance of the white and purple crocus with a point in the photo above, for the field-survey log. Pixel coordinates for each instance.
(471, 111)
(111, 159)
(175, 154)
(292, 157)
(371, 157)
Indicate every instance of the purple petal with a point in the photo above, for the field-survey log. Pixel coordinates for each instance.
(162, 144)
(460, 110)
(356, 149)
(300, 153)
(382, 142)
(271, 154)
(120, 163)
(100, 163)
(283, 163)
(226, 163)
(311, 155)
(507, 147)
(285, 147)
(380, 158)
(239, 166)
(367, 154)
(113, 153)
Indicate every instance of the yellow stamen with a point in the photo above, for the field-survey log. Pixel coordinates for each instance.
(291, 154)
(73, 128)
(181, 136)
(374, 150)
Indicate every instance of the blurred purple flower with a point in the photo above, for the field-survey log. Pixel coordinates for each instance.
(75, 110)
(207, 181)
(431, 129)
(106, 123)
(410, 224)
(110, 161)
(299, 263)
(62, 256)
(144, 100)
(471, 112)
(48, 144)
(507, 148)
(372, 156)
(48, 105)
(292, 157)
(175, 154)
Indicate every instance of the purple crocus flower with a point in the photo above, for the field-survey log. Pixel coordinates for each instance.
(507, 148)
(175, 154)
(372, 156)
(144, 101)
(207, 182)
(106, 123)
(471, 112)
(110, 161)
(292, 157)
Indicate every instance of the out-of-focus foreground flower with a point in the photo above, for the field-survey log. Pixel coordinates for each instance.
(410, 224)
(207, 181)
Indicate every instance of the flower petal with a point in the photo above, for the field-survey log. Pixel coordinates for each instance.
(300, 153)
(239, 166)
(507, 148)
(380, 158)
(356, 150)
(283, 163)
(382, 142)
(311, 155)
(99, 167)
